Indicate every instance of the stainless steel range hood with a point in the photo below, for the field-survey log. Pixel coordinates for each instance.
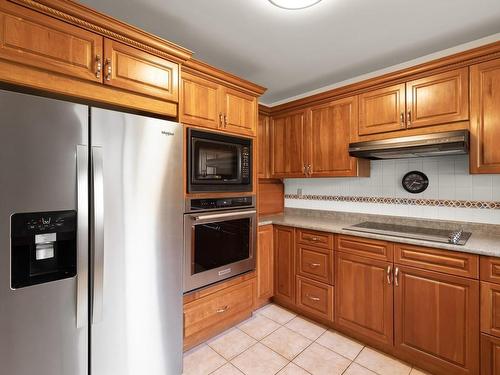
(446, 143)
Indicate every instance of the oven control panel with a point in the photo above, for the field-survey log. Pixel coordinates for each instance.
(207, 204)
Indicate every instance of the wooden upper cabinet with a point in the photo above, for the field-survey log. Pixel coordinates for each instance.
(263, 147)
(265, 264)
(437, 320)
(34, 39)
(382, 110)
(364, 298)
(328, 136)
(438, 99)
(199, 101)
(284, 264)
(287, 151)
(485, 117)
(240, 112)
(131, 69)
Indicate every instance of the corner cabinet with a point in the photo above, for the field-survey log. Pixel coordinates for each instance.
(265, 264)
(485, 117)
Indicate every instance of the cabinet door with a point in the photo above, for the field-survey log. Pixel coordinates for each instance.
(328, 137)
(287, 151)
(490, 355)
(315, 298)
(485, 117)
(490, 308)
(200, 102)
(134, 70)
(263, 146)
(240, 112)
(382, 110)
(31, 38)
(437, 320)
(438, 99)
(265, 263)
(364, 298)
(284, 265)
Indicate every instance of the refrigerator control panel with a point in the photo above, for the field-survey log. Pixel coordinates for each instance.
(43, 247)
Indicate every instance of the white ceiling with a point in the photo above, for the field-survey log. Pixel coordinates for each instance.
(292, 52)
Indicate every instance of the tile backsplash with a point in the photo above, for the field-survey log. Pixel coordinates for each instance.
(449, 180)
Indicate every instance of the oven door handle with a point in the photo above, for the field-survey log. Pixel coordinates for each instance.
(224, 215)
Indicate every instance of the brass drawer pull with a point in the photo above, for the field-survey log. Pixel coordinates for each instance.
(314, 265)
(312, 298)
(222, 310)
(314, 239)
(389, 275)
(396, 276)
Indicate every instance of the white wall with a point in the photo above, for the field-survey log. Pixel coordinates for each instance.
(449, 179)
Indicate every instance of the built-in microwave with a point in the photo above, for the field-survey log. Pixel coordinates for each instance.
(218, 162)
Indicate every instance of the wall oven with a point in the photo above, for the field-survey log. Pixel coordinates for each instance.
(219, 239)
(218, 162)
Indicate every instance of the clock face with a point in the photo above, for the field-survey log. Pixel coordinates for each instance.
(415, 182)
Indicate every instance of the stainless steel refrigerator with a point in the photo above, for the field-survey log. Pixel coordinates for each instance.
(90, 240)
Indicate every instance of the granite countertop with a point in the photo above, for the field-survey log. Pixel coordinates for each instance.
(485, 239)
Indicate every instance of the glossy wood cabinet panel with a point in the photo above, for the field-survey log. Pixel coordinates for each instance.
(365, 247)
(284, 264)
(438, 99)
(436, 320)
(490, 355)
(271, 197)
(490, 308)
(265, 264)
(37, 40)
(199, 103)
(131, 69)
(364, 298)
(263, 146)
(315, 298)
(314, 263)
(287, 151)
(382, 110)
(315, 238)
(328, 136)
(490, 269)
(451, 262)
(240, 112)
(485, 117)
(211, 314)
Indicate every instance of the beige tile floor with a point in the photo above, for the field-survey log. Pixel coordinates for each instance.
(277, 341)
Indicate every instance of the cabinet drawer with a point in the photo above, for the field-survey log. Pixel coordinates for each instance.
(366, 247)
(315, 298)
(490, 269)
(315, 263)
(218, 309)
(454, 263)
(319, 239)
(490, 308)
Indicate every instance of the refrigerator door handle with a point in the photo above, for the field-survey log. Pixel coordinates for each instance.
(82, 165)
(97, 234)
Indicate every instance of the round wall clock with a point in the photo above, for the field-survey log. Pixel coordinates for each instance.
(415, 182)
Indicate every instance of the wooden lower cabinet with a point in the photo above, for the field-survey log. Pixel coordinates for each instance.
(490, 355)
(284, 264)
(364, 298)
(315, 298)
(436, 320)
(211, 314)
(265, 264)
(314, 263)
(490, 308)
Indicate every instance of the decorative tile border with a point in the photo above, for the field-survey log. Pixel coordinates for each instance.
(400, 201)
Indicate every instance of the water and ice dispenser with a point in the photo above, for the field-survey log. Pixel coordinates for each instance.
(43, 247)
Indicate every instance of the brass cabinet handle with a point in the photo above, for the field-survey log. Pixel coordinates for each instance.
(108, 69)
(305, 170)
(225, 120)
(396, 276)
(402, 119)
(220, 120)
(222, 309)
(314, 265)
(409, 118)
(98, 66)
(389, 274)
(312, 298)
(309, 170)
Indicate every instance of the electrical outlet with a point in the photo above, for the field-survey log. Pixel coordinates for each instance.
(299, 192)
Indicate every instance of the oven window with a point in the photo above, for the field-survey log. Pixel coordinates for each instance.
(221, 243)
(215, 161)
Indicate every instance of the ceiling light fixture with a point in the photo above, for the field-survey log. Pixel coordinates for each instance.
(294, 4)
